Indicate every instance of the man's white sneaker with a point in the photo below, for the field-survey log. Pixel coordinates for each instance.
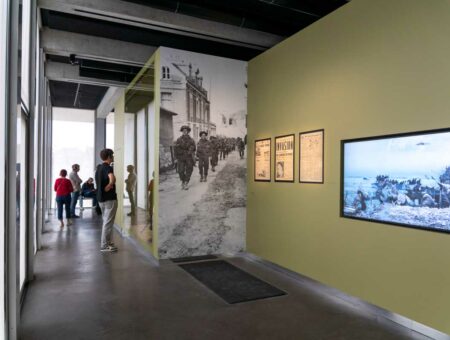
(108, 249)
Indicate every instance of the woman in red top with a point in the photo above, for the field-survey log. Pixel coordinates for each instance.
(63, 188)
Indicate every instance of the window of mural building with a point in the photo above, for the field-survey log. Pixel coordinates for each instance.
(165, 72)
(73, 142)
(166, 100)
(190, 106)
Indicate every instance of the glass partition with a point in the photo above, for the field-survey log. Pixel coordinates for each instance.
(134, 154)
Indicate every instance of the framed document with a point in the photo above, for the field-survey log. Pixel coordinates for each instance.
(262, 160)
(311, 157)
(284, 158)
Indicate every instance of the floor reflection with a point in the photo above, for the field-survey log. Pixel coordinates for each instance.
(139, 226)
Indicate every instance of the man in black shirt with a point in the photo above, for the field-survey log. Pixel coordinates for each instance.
(107, 198)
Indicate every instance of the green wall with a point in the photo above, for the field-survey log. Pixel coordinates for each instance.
(370, 68)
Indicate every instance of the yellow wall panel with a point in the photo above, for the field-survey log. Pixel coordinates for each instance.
(370, 68)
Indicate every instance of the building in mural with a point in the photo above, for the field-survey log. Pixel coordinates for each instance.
(182, 92)
(166, 159)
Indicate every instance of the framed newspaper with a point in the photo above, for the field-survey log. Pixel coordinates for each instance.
(311, 155)
(284, 158)
(263, 152)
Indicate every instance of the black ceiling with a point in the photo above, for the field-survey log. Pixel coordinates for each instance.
(139, 35)
(80, 96)
(279, 17)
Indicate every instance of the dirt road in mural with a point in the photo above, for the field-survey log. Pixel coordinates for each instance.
(214, 219)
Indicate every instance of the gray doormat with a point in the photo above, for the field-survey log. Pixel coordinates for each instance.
(193, 258)
(231, 283)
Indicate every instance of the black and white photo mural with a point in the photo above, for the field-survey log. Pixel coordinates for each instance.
(202, 154)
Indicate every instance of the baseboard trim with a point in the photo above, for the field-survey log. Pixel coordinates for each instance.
(357, 303)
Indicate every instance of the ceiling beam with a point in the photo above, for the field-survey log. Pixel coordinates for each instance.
(109, 101)
(95, 48)
(71, 73)
(160, 20)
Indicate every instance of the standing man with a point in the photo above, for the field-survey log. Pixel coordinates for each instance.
(203, 154)
(185, 153)
(130, 188)
(76, 184)
(107, 198)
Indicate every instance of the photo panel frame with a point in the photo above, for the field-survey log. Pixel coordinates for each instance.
(262, 160)
(284, 158)
(311, 156)
(399, 179)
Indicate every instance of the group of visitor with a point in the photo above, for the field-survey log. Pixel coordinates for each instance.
(68, 190)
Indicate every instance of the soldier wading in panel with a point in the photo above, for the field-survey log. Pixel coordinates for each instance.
(203, 154)
(185, 155)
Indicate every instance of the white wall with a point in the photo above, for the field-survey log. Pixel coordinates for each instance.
(141, 169)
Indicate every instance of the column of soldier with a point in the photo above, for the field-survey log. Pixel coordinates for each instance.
(205, 152)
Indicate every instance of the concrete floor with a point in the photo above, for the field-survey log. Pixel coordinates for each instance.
(80, 293)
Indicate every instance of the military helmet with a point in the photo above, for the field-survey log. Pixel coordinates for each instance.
(203, 133)
(185, 127)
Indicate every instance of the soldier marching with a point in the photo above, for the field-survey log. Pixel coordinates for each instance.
(206, 152)
(203, 154)
(185, 153)
(214, 152)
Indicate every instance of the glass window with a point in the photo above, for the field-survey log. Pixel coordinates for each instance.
(25, 55)
(21, 191)
(129, 136)
(73, 142)
(3, 39)
(36, 140)
(110, 131)
(141, 169)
